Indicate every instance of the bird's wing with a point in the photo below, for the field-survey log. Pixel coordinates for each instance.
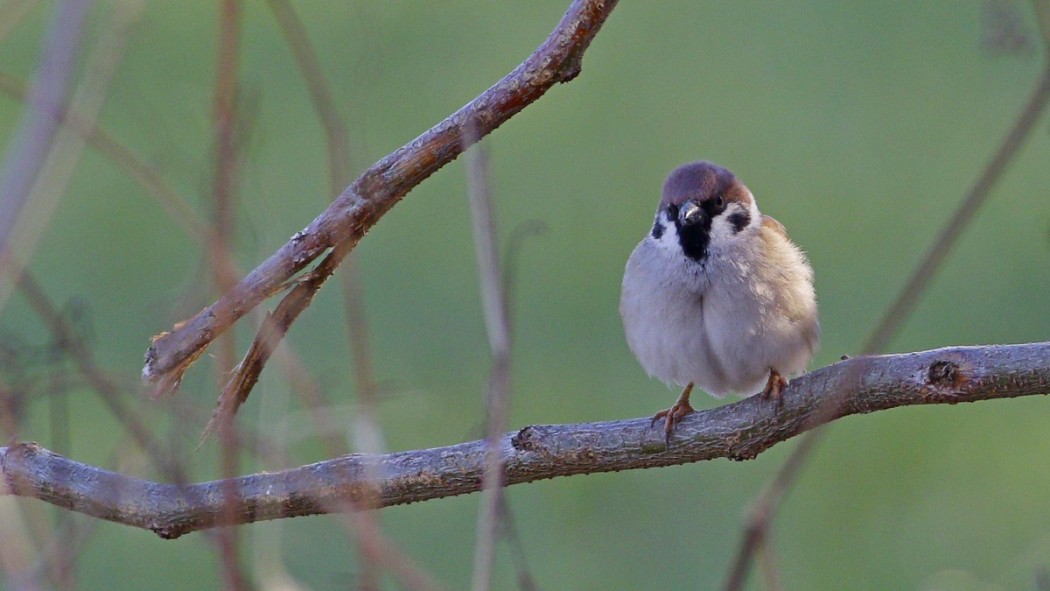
(771, 224)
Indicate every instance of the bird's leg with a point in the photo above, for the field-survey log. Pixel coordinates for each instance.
(674, 414)
(774, 385)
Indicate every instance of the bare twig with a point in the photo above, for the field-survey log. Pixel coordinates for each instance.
(11, 14)
(336, 134)
(336, 138)
(763, 509)
(380, 187)
(33, 139)
(227, 157)
(903, 305)
(497, 325)
(110, 392)
(274, 327)
(766, 505)
(768, 563)
(56, 172)
(224, 199)
(58, 557)
(526, 582)
(368, 433)
(121, 156)
(375, 547)
(739, 431)
(47, 99)
(379, 550)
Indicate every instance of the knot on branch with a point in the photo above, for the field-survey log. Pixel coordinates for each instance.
(523, 439)
(945, 374)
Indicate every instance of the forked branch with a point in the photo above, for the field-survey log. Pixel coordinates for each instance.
(738, 431)
(380, 187)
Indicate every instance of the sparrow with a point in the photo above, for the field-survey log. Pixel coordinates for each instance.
(717, 295)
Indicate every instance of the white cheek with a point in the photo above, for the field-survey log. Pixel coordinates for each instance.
(723, 231)
(668, 240)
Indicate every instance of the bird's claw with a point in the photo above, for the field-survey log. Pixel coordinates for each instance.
(671, 417)
(774, 386)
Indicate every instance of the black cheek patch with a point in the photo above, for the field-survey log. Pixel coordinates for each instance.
(739, 221)
(658, 229)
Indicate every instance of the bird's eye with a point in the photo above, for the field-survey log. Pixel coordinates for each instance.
(720, 202)
(672, 211)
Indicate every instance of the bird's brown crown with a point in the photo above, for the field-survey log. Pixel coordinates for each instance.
(700, 181)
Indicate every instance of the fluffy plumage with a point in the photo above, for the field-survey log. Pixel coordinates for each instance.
(717, 295)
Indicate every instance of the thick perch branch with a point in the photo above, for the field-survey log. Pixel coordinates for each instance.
(737, 431)
(380, 187)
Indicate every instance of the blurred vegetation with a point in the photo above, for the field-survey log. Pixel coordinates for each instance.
(858, 125)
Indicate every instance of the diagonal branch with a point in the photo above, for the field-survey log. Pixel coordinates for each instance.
(380, 187)
(767, 504)
(738, 431)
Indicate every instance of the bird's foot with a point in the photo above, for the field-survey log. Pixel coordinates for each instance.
(774, 386)
(673, 415)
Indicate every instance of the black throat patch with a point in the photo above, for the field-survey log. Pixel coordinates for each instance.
(694, 238)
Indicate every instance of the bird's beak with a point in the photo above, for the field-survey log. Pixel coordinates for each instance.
(690, 213)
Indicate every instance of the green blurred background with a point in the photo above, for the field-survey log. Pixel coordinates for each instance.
(859, 125)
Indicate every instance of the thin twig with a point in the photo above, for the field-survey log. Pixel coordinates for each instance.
(67, 147)
(274, 327)
(767, 504)
(369, 436)
(49, 184)
(377, 548)
(47, 98)
(904, 304)
(224, 181)
(526, 582)
(379, 188)
(107, 388)
(11, 14)
(33, 139)
(497, 325)
(124, 159)
(224, 200)
(768, 563)
(759, 517)
(381, 551)
(335, 131)
(366, 431)
(738, 431)
(338, 144)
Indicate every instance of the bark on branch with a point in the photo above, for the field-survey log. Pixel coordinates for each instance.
(380, 187)
(737, 431)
